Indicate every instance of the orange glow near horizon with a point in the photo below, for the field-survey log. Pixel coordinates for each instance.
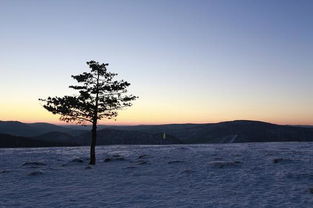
(145, 114)
(203, 62)
(168, 110)
(126, 123)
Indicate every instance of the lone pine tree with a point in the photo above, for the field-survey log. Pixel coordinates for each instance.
(100, 96)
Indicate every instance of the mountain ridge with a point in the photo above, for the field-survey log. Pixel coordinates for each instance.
(222, 132)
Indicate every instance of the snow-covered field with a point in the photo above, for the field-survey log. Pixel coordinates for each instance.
(217, 175)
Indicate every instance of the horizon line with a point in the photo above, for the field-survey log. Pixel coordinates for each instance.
(148, 124)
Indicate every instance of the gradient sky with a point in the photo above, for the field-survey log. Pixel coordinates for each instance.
(188, 61)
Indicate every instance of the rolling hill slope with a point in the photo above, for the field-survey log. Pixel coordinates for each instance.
(17, 128)
(223, 132)
(228, 132)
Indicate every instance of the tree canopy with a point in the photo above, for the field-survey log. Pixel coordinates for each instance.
(100, 96)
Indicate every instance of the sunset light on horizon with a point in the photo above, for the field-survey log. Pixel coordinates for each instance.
(189, 62)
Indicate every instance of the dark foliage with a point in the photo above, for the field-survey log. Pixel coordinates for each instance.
(99, 96)
(17, 141)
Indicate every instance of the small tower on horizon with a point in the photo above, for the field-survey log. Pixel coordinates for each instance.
(164, 135)
(163, 138)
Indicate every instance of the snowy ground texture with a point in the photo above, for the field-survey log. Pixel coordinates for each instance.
(218, 175)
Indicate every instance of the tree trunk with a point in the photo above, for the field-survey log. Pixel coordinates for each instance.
(93, 144)
(94, 126)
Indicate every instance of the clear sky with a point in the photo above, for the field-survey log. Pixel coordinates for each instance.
(188, 60)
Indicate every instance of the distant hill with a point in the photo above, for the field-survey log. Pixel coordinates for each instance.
(304, 126)
(114, 136)
(58, 137)
(44, 134)
(228, 132)
(17, 141)
(17, 128)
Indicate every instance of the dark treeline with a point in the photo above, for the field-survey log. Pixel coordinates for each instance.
(46, 135)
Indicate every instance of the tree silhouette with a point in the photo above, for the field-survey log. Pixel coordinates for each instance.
(100, 96)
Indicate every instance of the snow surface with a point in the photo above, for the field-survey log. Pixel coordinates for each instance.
(216, 175)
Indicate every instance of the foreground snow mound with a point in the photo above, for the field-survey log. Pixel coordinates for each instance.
(219, 175)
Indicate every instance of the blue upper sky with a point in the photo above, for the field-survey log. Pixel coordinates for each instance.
(189, 61)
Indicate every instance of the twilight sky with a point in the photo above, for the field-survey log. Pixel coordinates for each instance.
(188, 61)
